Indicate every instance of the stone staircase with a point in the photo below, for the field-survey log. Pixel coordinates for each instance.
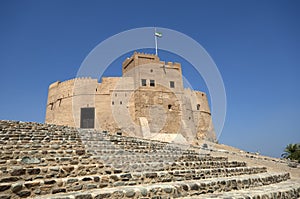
(58, 162)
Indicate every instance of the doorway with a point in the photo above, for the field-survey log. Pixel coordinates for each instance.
(87, 118)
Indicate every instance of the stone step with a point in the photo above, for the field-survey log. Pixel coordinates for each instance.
(8, 174)
(27, 137)
(108, 158)
(7, 146)
(20, 173)
(282, 190)
(171, 189)
(56, 152)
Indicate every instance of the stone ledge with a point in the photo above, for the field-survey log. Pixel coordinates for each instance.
(64, 173)
(179, 189)
(281, 190)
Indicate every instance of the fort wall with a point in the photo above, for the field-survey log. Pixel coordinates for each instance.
(149, 88)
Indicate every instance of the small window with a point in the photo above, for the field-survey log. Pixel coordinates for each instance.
(172, 84)
(112, 103)
(120, 102)
(116, 94)
(198, 107)
(152, 82)
(151, 70)
(144, 82)
(169, 106)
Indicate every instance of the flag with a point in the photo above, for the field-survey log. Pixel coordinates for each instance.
(158, 34)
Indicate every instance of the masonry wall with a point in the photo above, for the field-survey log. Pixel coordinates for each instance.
(120, 102)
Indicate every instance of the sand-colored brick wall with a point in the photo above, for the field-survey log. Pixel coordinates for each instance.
(121, 102)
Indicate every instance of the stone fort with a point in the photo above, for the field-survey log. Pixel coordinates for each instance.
(149, 100)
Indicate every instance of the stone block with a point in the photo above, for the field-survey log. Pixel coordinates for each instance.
(31, 160)
(49, 182)
(9, 179)
(129, 193)
(59, 190)
(102, 195)
(24, 194)
(29, 185)
(16, 187)
(5, 196)
(4, 187)
(18, 171)
(151, 175)
(33, 171)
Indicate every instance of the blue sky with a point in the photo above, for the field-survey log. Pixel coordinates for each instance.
(255, 44)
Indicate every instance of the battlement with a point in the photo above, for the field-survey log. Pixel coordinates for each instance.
(138, 59)
(143, 58)
(59, 90)
(70, 82)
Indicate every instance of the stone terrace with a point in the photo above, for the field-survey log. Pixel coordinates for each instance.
(58, 162)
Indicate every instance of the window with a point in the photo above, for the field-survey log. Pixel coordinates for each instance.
(151, 70)
(152, 82)
(112, 103)
(120, 102)
(144, 82)
(116, 94)
(172, 84)
(169, 106)
(198, 107)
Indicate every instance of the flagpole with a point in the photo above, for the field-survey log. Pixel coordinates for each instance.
(155, 37)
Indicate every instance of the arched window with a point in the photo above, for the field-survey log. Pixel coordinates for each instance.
(198, 107)
(169, 106)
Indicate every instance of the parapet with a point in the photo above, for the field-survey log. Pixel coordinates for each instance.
(59, 90)
(138, 59)
(143, 58)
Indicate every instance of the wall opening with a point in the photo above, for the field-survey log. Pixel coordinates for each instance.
(144, 82)
(152, 82)
(170, 107)
(198, 107)
(172, 84)
(87, 118)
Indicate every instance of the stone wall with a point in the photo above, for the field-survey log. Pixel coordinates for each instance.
(50, 161)
(120, 102)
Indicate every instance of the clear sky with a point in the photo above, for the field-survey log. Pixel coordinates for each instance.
(255, 44)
